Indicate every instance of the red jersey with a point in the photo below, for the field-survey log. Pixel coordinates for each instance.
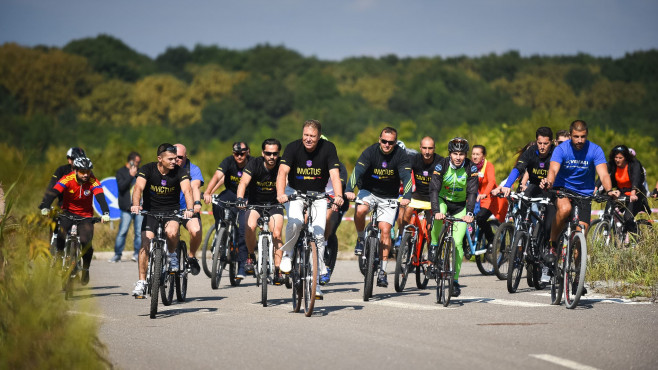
(78, 198)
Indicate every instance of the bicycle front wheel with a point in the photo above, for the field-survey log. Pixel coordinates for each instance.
(156, 276)
(310, 277)
(207, 251)
(167, 288)
(575, 269)
(218, 258)
(75, 261)
(181, 276)
(372, 249)
(516, 260)
(403, 262)
(445, 271)
(501, 249)
(264, 267)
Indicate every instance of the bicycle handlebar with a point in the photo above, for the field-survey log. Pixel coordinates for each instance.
(78, 219)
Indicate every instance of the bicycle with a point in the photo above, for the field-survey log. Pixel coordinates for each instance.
(503, 237)
(571, 266)
(527, 241)
(442, 266)
(224, 245)
(305, 257)
(369, 259)
(157, 275)
(71, 256)
(265, 261)
(475, 244)
(611, 228)
(410, 253)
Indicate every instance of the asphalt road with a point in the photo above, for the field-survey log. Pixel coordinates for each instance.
(486, 327)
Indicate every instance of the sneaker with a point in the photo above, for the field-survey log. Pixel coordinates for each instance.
(194, 266)
(116, 258)
(551, 255)
(135, 258)
(318, 293)
(84, 279)
(249, 266)
(398, 240)
(173, 262)
(286, 264)
(545, 277)
(241, 272)
(382, 281)
(358, 248)
(456, 289)
(324, 278)
(140, 288)
(279, 279)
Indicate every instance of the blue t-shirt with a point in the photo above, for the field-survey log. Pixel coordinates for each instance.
(577, 167)
(195, 174)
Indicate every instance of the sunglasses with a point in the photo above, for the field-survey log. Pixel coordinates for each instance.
(560, 142)
(180, 157)
(240, 154)
(389, 142)
(271, 154)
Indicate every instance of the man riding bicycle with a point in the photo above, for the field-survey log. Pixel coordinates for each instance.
(259, 182)
(307, 164)
(78, 189)
(163, 180)
(378, 171)
(454, 191)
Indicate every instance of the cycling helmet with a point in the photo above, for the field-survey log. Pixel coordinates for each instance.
(82, 163)
(458, 144)
(75, 152)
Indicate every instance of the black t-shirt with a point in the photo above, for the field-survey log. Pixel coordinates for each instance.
(381, 173)
(422, 173)
(310, 171)
(162, 192)
(537, 167)
(262, 187)
(232, 173)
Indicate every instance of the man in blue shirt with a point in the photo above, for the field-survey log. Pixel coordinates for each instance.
(574, 165)
(193, 225)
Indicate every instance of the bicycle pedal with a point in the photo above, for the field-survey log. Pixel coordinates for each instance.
(140, 297)
(319, 298)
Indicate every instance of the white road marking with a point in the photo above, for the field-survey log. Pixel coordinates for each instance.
(599, 298)
(563, 362)
(503, 302)
(406, 306)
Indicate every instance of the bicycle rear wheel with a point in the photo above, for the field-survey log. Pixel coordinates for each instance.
(485, 262)
(371, 249)
(331, 252)
(218, 258)
(156, 277)
(403, 261)
(264, 267)
(310, 277)
(501, 249)
(516, 260)
(181, 276)
(206, 251)
(575, 269)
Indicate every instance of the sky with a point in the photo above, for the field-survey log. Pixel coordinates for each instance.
(337, 29)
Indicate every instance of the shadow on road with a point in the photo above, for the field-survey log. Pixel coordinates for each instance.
(96, 295)
(338, 290)
(204, 299)
(180, 311)
(418, 293)
(326, 310)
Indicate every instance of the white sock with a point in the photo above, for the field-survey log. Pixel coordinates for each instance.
(384, 263)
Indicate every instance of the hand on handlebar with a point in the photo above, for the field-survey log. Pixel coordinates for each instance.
(350, 195)
(439, 216)
(405, 202)
(187, 214)
(505, 191)
(105, 218)
(207, 198)
(45, 211)
(241, 203)
(282, 198)
(135, 209)
(468, 218)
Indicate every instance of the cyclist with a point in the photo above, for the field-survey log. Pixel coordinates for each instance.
(307, 164)
(164, 180)
(486, 182)
(422, 165)
(193, 225)
(334, 218)
(78, 189)
(573, 167)
(378, 171)
(561, 136)
(260, 179)
(453, 191)
(229, 172)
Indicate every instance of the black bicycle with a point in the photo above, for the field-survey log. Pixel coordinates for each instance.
(611, 227)
(71, 257)
(225, 245)
(503, 237)
(305, 257)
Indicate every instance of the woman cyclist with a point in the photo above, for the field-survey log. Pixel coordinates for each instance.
(486, 182)
(453, 191)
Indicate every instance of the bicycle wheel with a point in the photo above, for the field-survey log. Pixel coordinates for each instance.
(181, 276)
(218, 258)
(297, 285)
(403, 261)
(445, 271)
(168, 287)
(264, 268)
(516, 260)
(233, 264)
(370, 250)
(575, 269)
(156, 276)
(310, 277)
(73, 268)
(209, 241)
(557, 282)
(331, 252)
(422, 270)
(363, 266)
(602, 233)
(485, 262)
(537, 270)
(501, 249)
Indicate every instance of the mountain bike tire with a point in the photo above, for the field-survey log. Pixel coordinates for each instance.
(403, 262)
(501, 244)
(516, 260)
(310, 277)
(575, 269)
(156, 276)
(209, 241)
(371, 248)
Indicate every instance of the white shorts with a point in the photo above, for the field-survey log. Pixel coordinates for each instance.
(387, 207)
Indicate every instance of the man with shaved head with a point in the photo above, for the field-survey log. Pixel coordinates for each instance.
(193, 225)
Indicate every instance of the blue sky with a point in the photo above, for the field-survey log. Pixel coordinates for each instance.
(342, 28)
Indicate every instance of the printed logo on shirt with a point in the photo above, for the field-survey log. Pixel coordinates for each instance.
(87, 193)
(438, 168)
(425, 173)
(163, 182)
(309, 163)
(384, 164)
(239, 173)
(474, 169)
(541, 165)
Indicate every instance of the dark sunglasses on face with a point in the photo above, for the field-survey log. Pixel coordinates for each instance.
(389, 142)
(180, 157)
(270, 154)
(240, 154)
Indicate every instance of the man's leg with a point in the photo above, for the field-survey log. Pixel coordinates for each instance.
(120, 240)
(137, 228)
(562, 212)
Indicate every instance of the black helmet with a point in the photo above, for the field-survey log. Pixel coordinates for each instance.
(458, 144)
(82, 163)
(75, 152)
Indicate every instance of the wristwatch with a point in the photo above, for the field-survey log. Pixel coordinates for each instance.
(470, 214)
(197, 202)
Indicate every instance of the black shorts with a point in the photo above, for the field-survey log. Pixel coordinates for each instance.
(274, 210)
(184, 221)
(584, 209)
(150, 223)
